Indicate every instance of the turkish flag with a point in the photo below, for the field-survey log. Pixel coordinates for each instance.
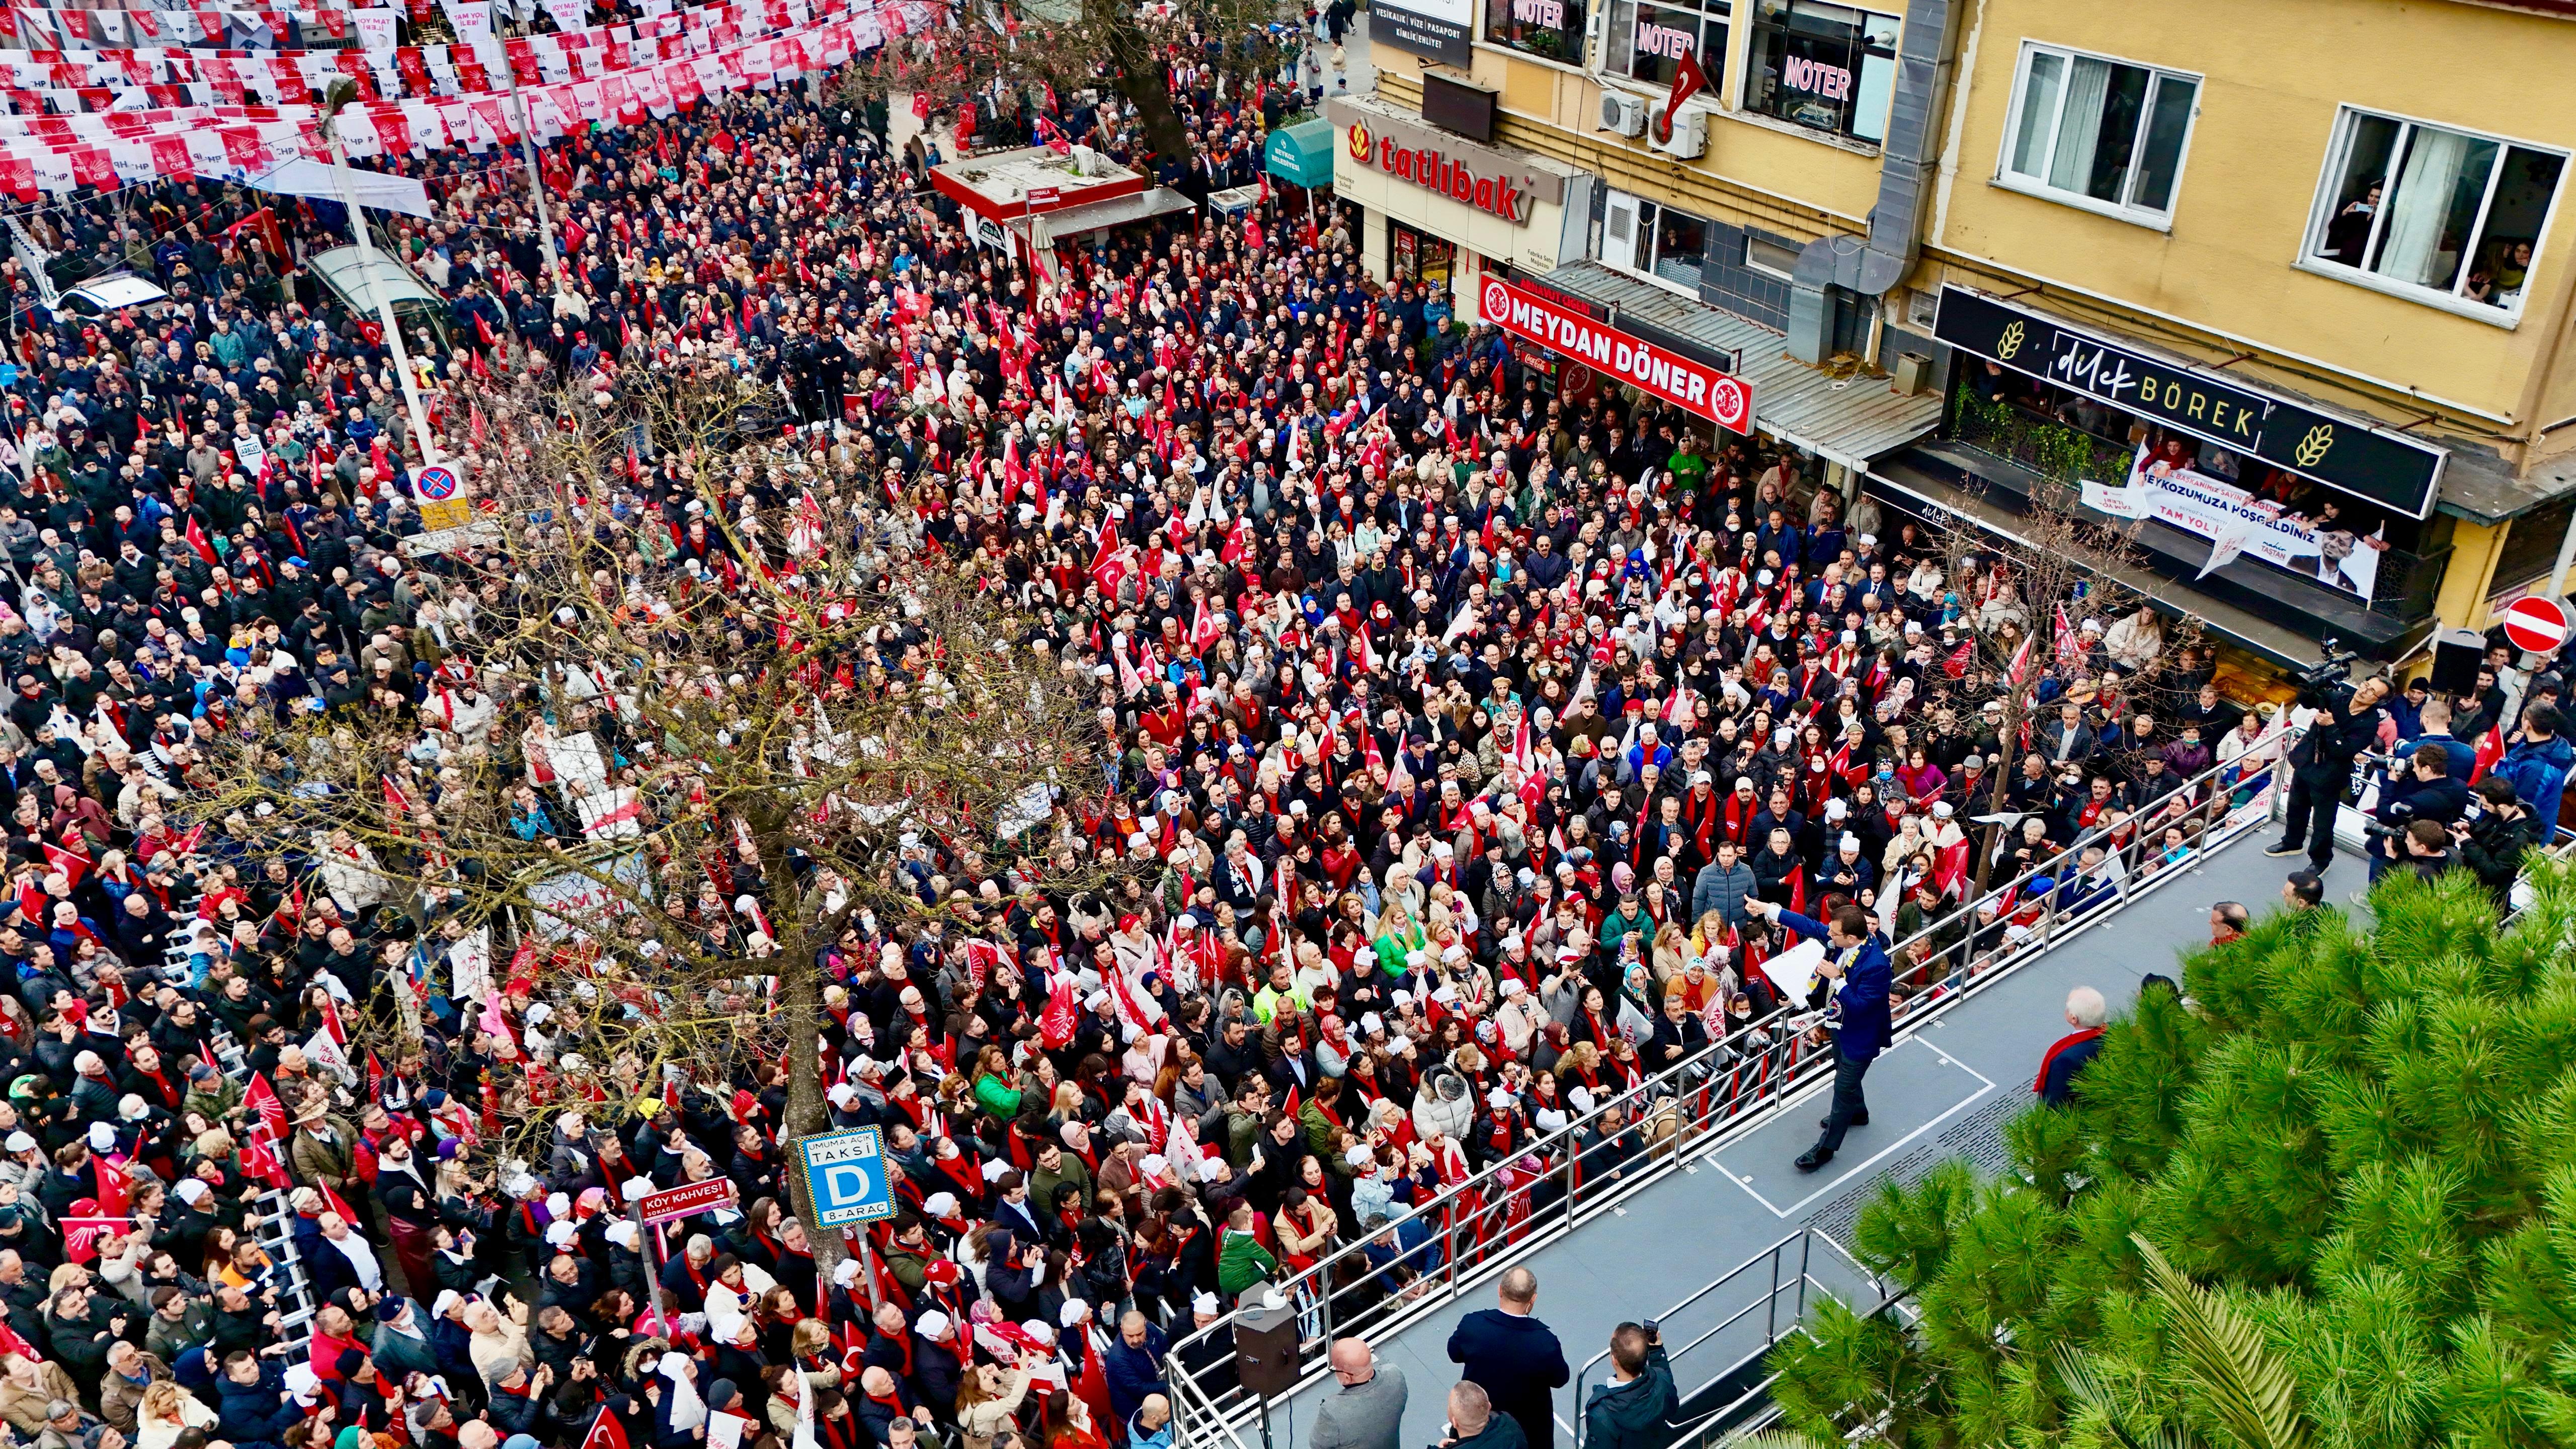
(114, 1187)
(2490, 750)
(259, 1160)
(1688, 80)
(197, 541)
(71, 863)
(605, 1431)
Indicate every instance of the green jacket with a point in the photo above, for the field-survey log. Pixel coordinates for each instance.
(1321, 1136)
(1615, 925)
(1044, 1185)
(997, 1097)
(1242, 1134)
(1242, 1262)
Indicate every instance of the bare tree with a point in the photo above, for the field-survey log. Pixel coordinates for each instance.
(1011, 52)
(2033, 604)
(729, 703)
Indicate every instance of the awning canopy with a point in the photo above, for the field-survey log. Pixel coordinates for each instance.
(1850, 421)
(347, 273)
(1049, 227)
(1302, 153)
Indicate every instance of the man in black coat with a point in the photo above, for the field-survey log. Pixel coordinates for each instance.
(2321, 767)
(1514, 1358)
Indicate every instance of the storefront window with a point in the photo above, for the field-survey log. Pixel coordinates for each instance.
(2433, 212)
(1419, 256)
(1552, 29)
(1647, 42)
(2305, 528)
(1831, 67)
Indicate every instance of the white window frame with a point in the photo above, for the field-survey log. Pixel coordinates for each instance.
(2338, 152)
(2128, 211)
(1641, 260)
(1717, 89)
(1761, 268)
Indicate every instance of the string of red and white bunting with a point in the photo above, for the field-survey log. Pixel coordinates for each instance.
(59, 154)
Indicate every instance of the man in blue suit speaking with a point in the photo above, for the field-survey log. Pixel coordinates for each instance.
(1858, 1013)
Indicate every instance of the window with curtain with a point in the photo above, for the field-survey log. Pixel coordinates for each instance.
(1647, 41)
(1668, 245)
(2433, 212)
(1830, 67)
(2102, 134)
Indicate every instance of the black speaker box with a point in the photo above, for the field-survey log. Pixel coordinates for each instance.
(1265, 1344)
(2456, 657)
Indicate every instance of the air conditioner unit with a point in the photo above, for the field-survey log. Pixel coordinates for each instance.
(1690, 132)
(1623, 114)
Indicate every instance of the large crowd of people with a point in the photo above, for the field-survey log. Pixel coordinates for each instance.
(1475, 729)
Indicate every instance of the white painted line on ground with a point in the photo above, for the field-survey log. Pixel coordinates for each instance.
(1986, 1085)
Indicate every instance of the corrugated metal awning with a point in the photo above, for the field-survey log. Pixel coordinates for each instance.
(1850, 421)
(1143, 205)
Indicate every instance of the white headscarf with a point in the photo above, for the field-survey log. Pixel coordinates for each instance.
(688, 1411)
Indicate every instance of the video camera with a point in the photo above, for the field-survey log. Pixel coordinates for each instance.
(2333, 669)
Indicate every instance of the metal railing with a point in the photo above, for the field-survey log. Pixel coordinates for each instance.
(1795, 1254)
(1426, 1256)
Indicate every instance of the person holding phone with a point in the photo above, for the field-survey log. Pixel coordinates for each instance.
(1632, 1410)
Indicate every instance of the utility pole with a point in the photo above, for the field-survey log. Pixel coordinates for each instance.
(339, 96)
(528, 151)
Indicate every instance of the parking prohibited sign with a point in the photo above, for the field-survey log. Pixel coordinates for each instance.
(435, 482)
(845, 1177)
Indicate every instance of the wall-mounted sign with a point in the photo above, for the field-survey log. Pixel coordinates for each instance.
(1455, 176)
(1832, 82)
(1664, 40)
(1456, 105)
(1695, 386)
(991, 233)
(2387, 468)
(1433, 29)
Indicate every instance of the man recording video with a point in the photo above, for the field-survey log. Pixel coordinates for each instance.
(2346, 723)
(2422, 790)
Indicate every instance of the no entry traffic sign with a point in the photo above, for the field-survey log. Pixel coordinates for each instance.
(2536, 624)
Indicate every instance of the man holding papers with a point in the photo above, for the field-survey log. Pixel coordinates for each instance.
(1856, 959)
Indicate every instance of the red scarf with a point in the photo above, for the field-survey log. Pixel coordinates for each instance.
(2040, 1083)
(904, 1343)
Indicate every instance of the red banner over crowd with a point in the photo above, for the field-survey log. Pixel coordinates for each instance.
(1718, 396)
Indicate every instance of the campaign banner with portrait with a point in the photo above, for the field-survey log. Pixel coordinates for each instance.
(2216, 509)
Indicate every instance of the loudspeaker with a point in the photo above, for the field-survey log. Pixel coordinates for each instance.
(1265, 1344)
(2456, 658)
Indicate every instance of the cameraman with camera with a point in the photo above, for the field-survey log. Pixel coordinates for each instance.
(1631, 1411)
(2346, 723)
(2498, 836)
(2421, 788)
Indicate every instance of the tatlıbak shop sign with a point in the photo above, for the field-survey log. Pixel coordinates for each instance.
(1435, 171)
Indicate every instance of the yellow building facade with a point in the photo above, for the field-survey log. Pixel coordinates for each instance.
(2295, 276)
